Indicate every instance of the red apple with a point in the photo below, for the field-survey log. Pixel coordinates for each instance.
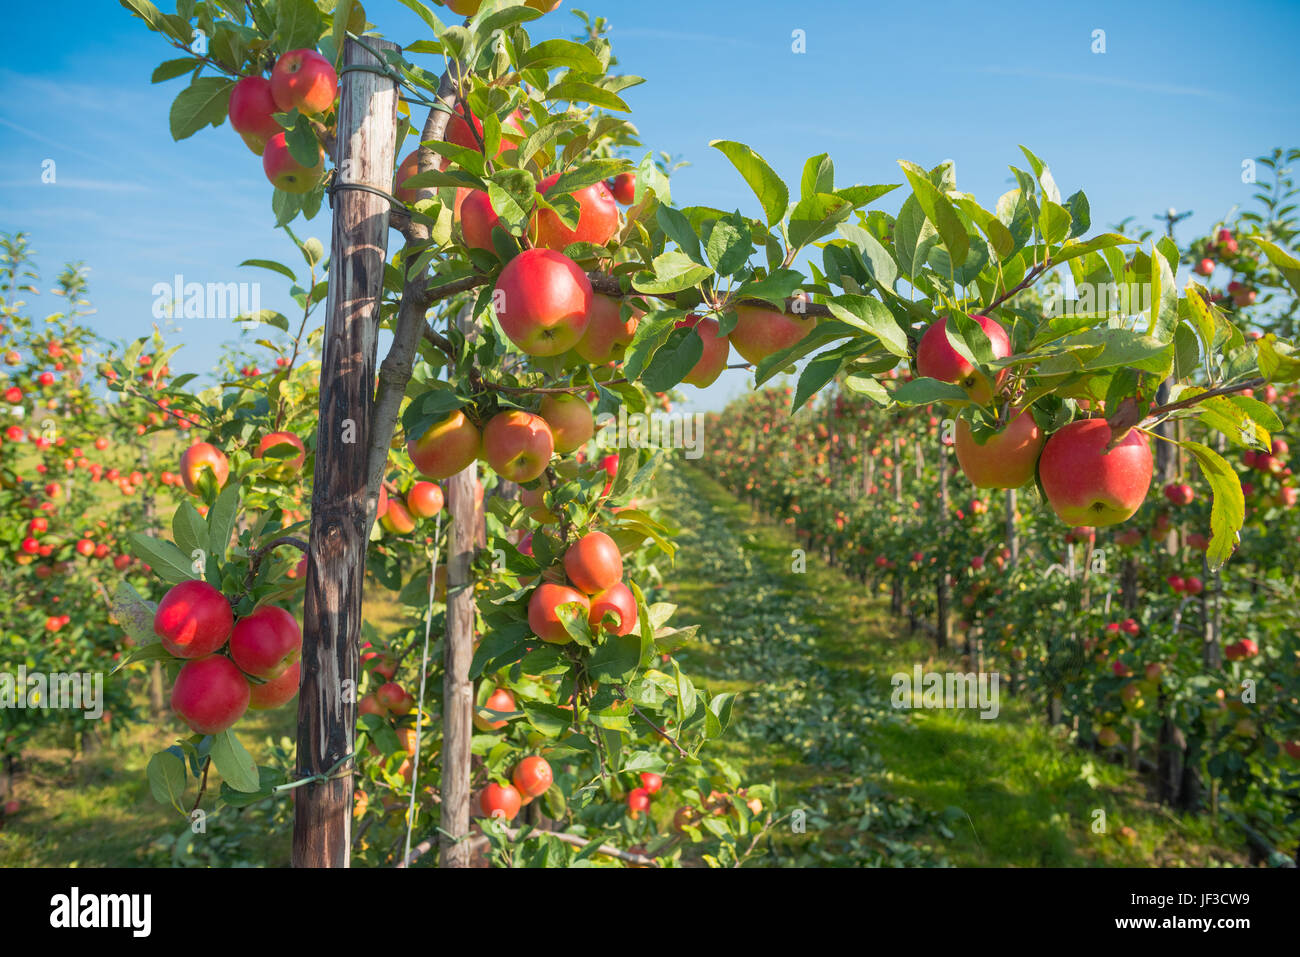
(518, 445)
(619, 600)
(638, 800)
(396, 520)
(477, 220)
(282, 442)
(761, 332)
(446, 448)
(714, 357)
(501, 701)
(542, 616)
(542, 300)
(1085, 484)
(285, 172)
(570, 419)
(424, 500)
(937, 359)
(394, 697)
(623, 188)
(1007, 458)
(251, 107)
(200, 456)
(193, 619)
(500, 800)
(459, 132)
(305, 80)
(651, 782)
(210, 694)
(277, 691)
(607, 335)
(1205, 267)
(267, 642)
(593, 563)
(597, 218)
(532, 776)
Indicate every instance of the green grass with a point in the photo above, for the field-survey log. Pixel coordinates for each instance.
(1001, 792)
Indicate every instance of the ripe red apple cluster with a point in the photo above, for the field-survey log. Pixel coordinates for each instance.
(301, 80)
(594, 568)
(259, 669)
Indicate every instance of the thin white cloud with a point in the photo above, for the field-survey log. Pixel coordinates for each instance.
(1121, 82)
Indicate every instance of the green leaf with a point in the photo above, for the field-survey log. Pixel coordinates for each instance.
(587, 174)
(871, 316)
(189, 530)
(1284, 261)
(940, 211)
(815, 216)
(134, 615)
(678, 228)
(818, 176)
(168, 562)
(674, 271)
(774, 288)
(203, 102)
(730, 244)
(233, 762)
(576, 91)
(552, 53)
(616, 658)
(767, 186)
(1229, 508)
(170, 69)
(914, 237)
(221, 520)
(298, 25)
(167, 778)
(819, 370)
(923, 391)
(650, 334)
(674, 360)
(272, 265)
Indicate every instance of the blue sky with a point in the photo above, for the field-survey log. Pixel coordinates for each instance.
(1164, 117)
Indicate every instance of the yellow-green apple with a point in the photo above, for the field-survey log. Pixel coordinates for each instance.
(1007, 458)
(265, 643)
(396, 520)
(597, 218)
(1107, 737)
(542, 300)
(1085, 484)
(714, 357)
(447, 447)
(542, 616)
(532, 776)
(304, 80)
(607, 335)
(518, 445)
(570, 419)
(533, 499)
(282, 442)
(197, 458)
(594, 563)
(623, 188)
(937, 359)
(761, 332)
(277, 691)
(500, 800)
(618, 600)
(285, 172)
(193, 619)
(251, 109)
(210, 694)
(499, 700)
(424, 500)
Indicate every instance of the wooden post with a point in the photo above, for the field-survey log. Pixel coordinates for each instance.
(327, 716)
(458, 651)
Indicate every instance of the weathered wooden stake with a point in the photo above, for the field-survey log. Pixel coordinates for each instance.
(366, 140)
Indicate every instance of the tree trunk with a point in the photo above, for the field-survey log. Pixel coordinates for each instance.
(367, 130)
